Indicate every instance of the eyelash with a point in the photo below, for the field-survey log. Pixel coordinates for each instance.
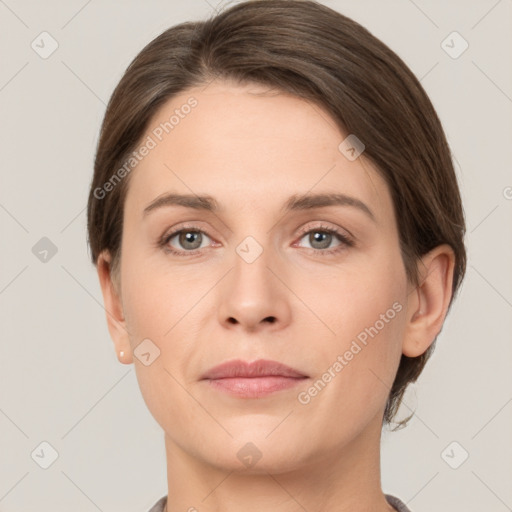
(344, 239)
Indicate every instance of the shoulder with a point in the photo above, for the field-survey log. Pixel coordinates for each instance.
(398, 504)
(159, 505)
(392, 500)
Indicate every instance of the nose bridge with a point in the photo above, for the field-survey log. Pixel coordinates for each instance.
(252, 294)
(251, 262)
(250, 249)
(253, 239)
(257, 258)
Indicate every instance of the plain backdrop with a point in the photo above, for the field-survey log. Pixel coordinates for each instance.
(60, 380)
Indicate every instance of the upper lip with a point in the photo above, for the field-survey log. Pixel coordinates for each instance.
(259, 368)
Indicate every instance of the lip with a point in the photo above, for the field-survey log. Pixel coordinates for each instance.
(258, 368)
(252, 380)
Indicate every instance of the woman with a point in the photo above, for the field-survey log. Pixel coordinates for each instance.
(278, 233)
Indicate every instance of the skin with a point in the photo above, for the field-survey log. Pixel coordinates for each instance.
(251, 150)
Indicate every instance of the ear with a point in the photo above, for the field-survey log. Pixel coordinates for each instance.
(427, 304)
(113, 308)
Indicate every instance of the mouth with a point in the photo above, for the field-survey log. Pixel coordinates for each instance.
(254, 387)
(252, 380)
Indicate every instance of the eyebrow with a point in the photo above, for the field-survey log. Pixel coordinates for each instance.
(294, 203)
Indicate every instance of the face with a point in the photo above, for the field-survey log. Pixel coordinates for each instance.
(318, 287)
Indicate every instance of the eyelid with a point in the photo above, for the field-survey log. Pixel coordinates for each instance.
(320, 227)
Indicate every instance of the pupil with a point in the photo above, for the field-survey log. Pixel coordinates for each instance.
(188, 237)
(317, 236)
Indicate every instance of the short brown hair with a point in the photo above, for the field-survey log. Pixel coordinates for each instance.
(315, 53)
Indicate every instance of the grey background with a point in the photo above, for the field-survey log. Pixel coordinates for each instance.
(60, 380)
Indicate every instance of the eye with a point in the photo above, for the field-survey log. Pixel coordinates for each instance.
(321, 238)
(189, 240)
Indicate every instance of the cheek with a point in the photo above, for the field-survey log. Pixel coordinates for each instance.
(148, 310)
(355, 301)
(366, 312)
(153, 296)
(157, 307)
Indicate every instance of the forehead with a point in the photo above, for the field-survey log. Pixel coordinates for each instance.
(248, 146)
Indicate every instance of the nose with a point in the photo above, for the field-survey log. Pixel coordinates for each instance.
(253, 297)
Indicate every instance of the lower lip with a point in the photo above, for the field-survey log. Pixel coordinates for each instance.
(254, 387)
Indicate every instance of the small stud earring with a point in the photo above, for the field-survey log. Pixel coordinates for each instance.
(121, 354)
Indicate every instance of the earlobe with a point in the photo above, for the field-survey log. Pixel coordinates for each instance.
(428, 303)
(116, 321)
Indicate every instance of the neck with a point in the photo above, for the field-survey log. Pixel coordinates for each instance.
(338, 480)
